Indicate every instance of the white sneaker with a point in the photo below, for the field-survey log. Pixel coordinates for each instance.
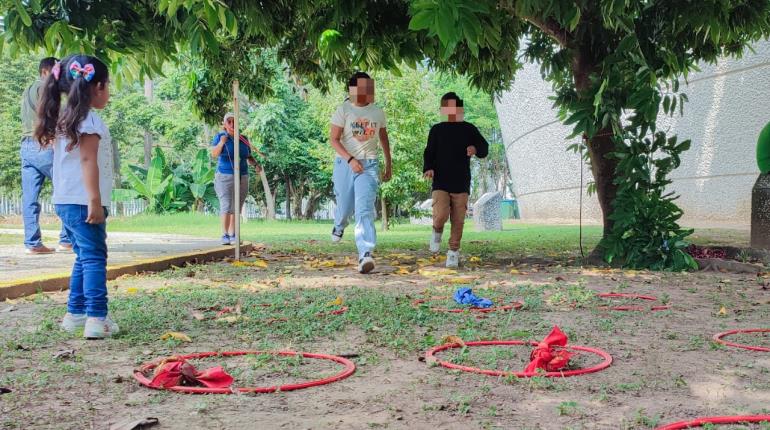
(366, 264)
(435, 242)
(64, 248)
(452, 259)
(73, 322)
(337, 236)
(99, 328)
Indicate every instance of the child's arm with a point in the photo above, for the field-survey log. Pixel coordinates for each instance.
(89, 150)
(429, 156)
(481, 145)
(219, 146)
(385, 142)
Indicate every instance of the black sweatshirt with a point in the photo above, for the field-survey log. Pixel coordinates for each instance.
(447, 155)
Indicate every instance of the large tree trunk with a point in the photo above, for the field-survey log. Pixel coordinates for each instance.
(603, 169)
(312, 204)
(384, 214)
(297, 194)
(269, 196)
(599, 147)
(287, 184)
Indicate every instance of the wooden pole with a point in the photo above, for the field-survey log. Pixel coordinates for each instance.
(237, 173)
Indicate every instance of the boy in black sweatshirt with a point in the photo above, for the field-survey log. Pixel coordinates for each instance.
(447, 160)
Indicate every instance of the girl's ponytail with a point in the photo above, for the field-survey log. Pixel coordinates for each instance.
(75, 76)
(48, 108)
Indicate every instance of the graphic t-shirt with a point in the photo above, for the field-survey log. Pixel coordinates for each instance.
(227, 156)
(68, 185)
(360, 128)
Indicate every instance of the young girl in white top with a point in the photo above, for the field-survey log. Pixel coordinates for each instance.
(82, 182)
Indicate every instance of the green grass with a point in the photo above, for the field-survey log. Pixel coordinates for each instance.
(18, 239)
(515, 239)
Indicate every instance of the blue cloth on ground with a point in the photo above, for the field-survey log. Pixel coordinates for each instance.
(465, 296)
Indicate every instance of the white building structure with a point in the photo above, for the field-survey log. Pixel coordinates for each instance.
(729, 105)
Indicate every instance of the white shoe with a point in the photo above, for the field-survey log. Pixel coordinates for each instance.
(337, 236)
(452, 259)
(99, 328)
(366, 264)
(64, 248)
(73, 322)
(435, 242)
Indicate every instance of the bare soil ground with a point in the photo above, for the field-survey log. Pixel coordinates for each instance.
(666, 367)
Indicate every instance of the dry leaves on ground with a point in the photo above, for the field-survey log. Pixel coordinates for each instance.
(176, 335)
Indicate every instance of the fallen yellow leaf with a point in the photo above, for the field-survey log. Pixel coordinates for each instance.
(461, 280)
(177, 336)
(435, 273)
(232, 319)
(256, 263)
(403, 271)
(453, 340)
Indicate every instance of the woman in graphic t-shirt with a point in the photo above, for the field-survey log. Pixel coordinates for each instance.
(358, 127)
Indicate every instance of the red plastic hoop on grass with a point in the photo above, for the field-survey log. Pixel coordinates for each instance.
(632, 308)
(699, 422)
(513, 305)
(718, 339)
(430, 357)
(349, 369)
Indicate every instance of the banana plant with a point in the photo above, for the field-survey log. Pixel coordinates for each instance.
(150, 184)
(202, 179)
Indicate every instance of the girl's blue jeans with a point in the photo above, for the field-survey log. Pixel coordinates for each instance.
(88, 282)
(356, 193)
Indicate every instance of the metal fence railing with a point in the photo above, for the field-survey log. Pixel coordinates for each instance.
(11, 206)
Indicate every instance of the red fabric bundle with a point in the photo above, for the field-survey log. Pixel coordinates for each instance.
(545, 357)
(173, 372)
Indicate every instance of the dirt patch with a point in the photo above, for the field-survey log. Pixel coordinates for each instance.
(666, 367)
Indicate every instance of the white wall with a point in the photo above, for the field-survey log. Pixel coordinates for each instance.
(727, 109)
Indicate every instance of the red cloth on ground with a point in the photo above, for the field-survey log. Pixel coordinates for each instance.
(545, 357)
(174, 372)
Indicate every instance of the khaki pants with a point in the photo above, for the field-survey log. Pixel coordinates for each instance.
(452, 206)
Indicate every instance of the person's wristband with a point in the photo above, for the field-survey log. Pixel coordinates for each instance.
(350, 159)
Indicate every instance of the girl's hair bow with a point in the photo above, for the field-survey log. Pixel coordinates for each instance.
(87, 71)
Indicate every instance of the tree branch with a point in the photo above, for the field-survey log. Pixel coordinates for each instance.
(553, 29)
(547, 25)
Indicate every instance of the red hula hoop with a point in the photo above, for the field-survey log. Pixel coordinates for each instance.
(513, 305)
(699, 422)
(349, 369)
(718, 338)
(632, 308)
(431, 358)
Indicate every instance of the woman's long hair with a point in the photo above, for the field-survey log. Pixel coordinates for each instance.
(73, 76)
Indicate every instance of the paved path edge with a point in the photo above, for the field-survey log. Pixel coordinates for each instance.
(60, 281)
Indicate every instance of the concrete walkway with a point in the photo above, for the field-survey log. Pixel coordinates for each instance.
(124, 248)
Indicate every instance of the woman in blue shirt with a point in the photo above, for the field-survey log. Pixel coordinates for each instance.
(223, 149)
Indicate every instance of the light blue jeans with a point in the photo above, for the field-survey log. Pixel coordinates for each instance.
(88, 282)
(356, 193)
(36, 166)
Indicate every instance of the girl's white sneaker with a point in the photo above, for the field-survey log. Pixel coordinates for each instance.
(99, 328)
(73, 322)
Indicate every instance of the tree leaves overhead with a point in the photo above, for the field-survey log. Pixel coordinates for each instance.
(602, 57)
